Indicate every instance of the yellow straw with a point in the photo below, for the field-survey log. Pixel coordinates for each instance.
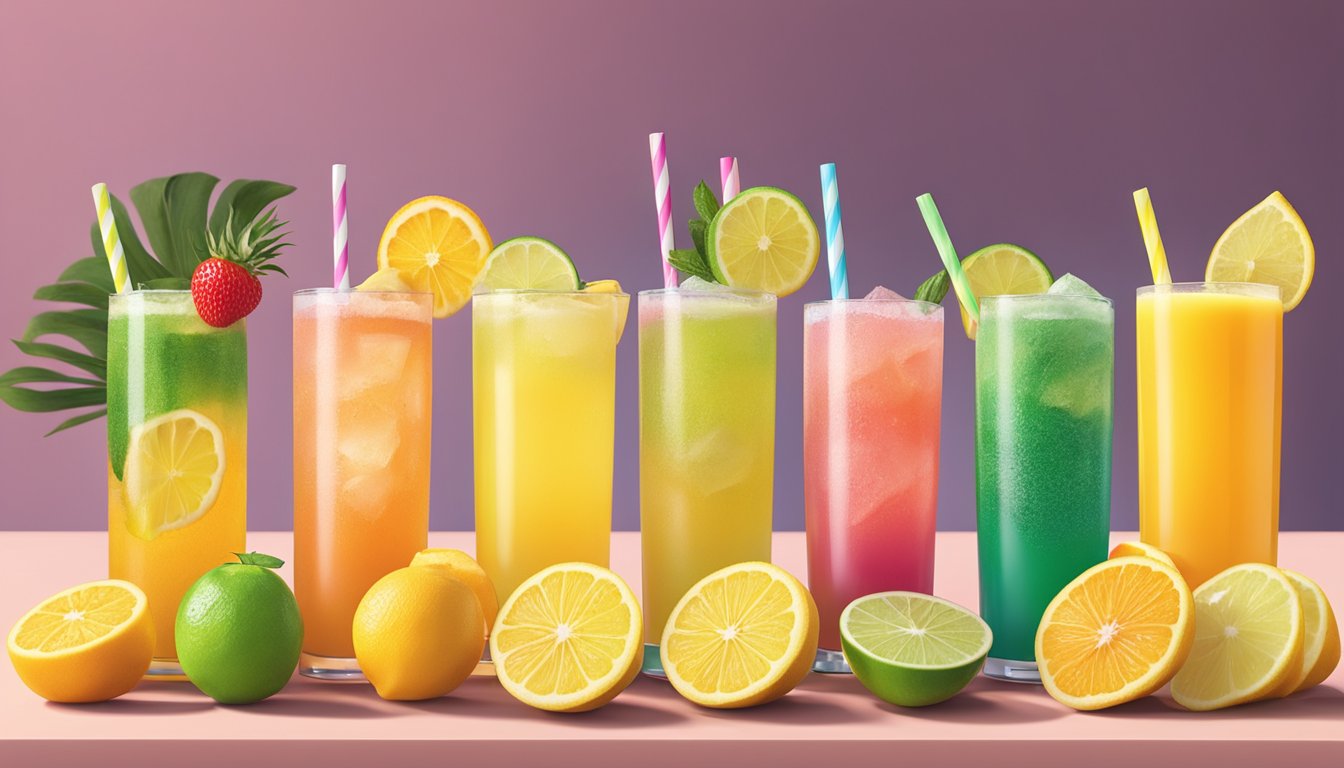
(116, 258)
(1152, 239)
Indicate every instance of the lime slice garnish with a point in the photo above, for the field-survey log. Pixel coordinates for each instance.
(174, 469)
(529, 264)
(764, 239)
(1004, 269)
(913, 649)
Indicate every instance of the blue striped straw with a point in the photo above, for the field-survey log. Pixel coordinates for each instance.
(835, 237)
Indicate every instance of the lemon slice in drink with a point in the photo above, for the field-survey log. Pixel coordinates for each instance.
(742, 636)
(174, 468)
(1267, 244)
(1003, 269)
(438, 245)
(912, 649)
(568, 639)
(611, 286)
(88, 643)
(529, 264)
(1248, 639)
(764, 239)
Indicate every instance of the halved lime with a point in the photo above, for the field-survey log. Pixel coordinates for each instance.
(913, 649)
(764, 239)
(531, 264)
(1004, 269)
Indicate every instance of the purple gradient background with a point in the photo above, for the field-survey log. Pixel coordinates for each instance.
(1030, 121)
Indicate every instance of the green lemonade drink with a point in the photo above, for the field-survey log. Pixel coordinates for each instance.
(1043, 395)
(177, 450)
(706, 440)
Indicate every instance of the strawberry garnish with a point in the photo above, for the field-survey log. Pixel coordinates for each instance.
(224, 287)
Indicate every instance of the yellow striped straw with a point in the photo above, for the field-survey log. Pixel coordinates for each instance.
(1152, 239)
(116, 258)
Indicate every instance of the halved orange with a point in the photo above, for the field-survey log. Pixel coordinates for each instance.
(1118, 632)
(1139, 549)
(437, 245)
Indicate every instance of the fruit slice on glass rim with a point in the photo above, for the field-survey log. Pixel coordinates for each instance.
(742, 636)
(1003, 269)
(438, 245)
(174, 469)
(1267, 244)
(1248, 639)
(529, 264)
(913, 649)
(1116, 633)
(568, 639)
(765, 240)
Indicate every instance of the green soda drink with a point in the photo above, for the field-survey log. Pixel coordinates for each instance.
(1044, 381)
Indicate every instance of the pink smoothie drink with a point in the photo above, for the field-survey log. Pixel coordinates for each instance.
(872, 396)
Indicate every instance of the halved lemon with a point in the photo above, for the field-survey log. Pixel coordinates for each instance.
(1267, 244)
(92, 642)
(764, 239)
(1118, 632)
(1320, 643)
(1248, 639)
(529, 264)
(743, 635)
(568, 639)
(438, 245)
(1140, 549)
(174, 469)
(1003, 269)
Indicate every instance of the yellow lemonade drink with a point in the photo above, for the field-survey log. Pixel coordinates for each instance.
(706, 441)
(362, 408)
(177, 450)
(544, 404)
(1210, 375)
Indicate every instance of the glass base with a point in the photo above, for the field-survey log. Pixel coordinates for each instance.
(653, 662)
(831, 663)
(329, 668)
(165, 669)
(485, 667)
(1012, 671)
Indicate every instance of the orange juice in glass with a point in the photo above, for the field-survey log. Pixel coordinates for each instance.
(361, 456)
(1210, 376)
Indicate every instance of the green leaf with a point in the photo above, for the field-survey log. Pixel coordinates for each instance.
(698, 227)
(89, 393)
(706, 203)
(79, 360)
(91, 269)
(690, 262)
(257, 558)
(247, 198)
(934, 289)
(86, 326)
(75, 293)
(75, 421)
(140, 266)
(173, 210)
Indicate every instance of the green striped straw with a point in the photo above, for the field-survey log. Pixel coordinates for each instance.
(107, 223)
(949, 256)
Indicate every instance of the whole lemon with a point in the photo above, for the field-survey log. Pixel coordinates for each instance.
(238, 631)
(417, 633)
(465, 569)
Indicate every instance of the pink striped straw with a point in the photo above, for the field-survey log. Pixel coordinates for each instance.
(728, 176)
(340, 246)
(662, 199)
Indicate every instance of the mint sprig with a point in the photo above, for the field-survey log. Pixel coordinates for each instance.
(695, 261)
(934, 289)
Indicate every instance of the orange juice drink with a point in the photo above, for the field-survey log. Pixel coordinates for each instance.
(177, 450)
(361, 456)
(1210, 375)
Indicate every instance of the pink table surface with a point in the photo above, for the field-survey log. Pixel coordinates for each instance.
(826, 718)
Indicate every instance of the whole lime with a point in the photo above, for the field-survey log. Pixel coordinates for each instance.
(239, 631)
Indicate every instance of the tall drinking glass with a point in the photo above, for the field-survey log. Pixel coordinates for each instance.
(362, 410)
(544, 399)
(1210, 373)
(177, 450)
(1044, 381)
(706, 441)
(872, 399)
